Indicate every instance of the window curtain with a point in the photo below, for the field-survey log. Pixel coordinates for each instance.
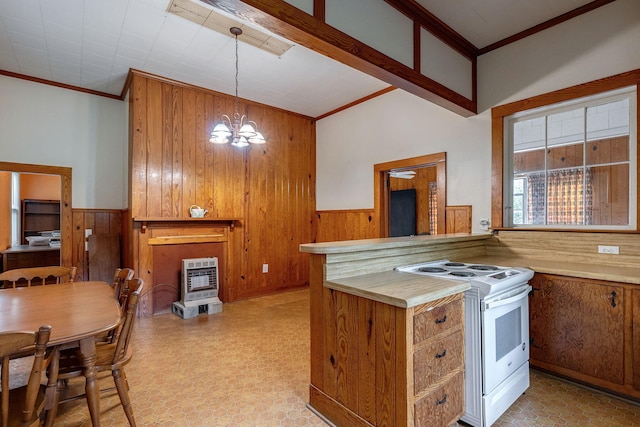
(535, 198)
(569, 197)
(433, 207)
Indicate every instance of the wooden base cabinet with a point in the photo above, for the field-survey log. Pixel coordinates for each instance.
(383, 365)
(583, 329)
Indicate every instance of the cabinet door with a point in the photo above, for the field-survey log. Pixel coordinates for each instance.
(578, 325)
(539, 318)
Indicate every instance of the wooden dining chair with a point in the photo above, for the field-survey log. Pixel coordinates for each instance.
(120, 278)
(22, 406)
(121, 290)
(39, 275)
(109, 357)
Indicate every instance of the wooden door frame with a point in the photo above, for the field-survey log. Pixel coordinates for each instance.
(381, 190)
(66, 249)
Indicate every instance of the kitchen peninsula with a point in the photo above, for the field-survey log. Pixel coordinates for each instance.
(375, 331)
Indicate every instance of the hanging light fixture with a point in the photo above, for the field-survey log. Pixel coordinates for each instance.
(240, 131)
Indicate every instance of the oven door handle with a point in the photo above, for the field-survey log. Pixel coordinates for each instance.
(499, 303)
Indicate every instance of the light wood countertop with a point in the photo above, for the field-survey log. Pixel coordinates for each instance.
(572, 269)
(388, 243)
(398, 288)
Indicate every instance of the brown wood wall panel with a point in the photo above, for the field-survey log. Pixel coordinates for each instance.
(269, 189)
(385, 322)
(336, 225)
(347, 350)
(101, 222)
(367, 361)
(458, 219)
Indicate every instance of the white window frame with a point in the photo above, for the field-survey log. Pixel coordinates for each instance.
(582, 102)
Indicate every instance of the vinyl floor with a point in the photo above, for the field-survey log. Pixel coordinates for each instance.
(249, 366)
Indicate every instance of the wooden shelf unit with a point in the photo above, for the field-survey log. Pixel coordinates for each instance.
(39, 215)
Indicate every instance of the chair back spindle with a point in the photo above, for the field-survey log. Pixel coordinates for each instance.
(120, 279)
(39, 275)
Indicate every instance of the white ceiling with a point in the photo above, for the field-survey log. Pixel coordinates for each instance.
(92, 44)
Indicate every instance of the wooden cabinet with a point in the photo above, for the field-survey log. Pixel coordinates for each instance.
(39, 215)
(438, 362)
(582, 329)
(389, 366)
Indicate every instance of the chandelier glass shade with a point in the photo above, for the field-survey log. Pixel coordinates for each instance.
(239, 131)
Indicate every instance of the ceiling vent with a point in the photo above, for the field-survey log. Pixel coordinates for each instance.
(212, 19)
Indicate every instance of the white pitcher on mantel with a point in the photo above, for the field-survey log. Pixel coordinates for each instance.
(197, 212)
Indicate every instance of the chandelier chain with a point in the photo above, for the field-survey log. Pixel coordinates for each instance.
(237, 63)
(240, 130)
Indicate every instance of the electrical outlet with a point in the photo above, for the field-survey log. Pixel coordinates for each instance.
(265, 268)
(614, 250)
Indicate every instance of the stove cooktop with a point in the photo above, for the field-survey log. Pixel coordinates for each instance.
(490, 279)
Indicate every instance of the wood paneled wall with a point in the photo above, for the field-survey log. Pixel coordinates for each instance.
(458, 219)
(269, 189)
(101, 222)
(336, 225)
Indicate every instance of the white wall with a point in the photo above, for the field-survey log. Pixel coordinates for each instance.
(47, 125)
(397, 125)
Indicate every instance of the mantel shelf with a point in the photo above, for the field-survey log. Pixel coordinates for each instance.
(146, 220)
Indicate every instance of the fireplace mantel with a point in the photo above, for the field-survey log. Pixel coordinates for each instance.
(146, 220)
(160, 241)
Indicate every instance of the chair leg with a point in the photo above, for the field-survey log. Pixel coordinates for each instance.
(122, 387)
(53, 407)
(52, 394)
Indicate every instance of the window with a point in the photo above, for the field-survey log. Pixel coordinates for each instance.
(572, 164)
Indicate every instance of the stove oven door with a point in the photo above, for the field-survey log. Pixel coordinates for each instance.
(505, 329)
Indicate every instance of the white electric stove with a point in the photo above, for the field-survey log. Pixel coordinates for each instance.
(496, 334)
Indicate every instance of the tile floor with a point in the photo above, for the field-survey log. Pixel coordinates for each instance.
(249, 366)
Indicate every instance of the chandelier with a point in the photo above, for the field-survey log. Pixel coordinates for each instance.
(240, 131)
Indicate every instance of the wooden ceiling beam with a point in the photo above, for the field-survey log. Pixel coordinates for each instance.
(435, 26)
(297, 26)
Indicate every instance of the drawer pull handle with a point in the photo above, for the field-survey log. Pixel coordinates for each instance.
(441, 355)
(441, 402)
(444, 319)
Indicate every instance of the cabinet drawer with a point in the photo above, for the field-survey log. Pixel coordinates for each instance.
(436, 360)
(443, 406)
(437, 320)
(31, 259)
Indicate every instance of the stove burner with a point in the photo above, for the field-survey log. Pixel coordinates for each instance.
(454, 264)
(432, 270)
(482, 267)
(462, 273)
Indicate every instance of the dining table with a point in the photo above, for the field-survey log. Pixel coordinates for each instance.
(77, 312)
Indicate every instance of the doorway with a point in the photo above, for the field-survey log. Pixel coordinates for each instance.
(426, 175)
(65, 200)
